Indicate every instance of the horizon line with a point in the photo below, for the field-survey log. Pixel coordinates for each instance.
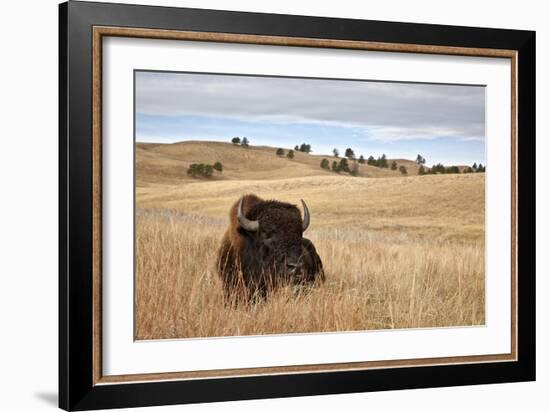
(136, 141)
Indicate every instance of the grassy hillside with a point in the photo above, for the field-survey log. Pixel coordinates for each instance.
(168, 163)
(398, 251)
(443, 205)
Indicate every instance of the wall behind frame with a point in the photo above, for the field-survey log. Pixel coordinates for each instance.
(28, 206)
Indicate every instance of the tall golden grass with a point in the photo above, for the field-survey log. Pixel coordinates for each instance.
(400, 252)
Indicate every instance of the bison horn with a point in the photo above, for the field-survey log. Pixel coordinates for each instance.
(305, 222)
(246, 224)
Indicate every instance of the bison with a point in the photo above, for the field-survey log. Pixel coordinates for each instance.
(264, 247)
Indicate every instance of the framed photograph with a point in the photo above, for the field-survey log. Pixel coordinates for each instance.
(256, 205)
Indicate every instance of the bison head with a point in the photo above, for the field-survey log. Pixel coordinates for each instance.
(274, 230)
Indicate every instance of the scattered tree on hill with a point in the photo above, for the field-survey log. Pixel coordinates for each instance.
(306, 148)
(468, 170)
(203, 170)
(438, 168)
(421, 170)
(236, 141)
(245, 142)
(280, 152)
(474, 167)
(208, 170)
(420, 160)
(361, 160)
(290, 154)
(350, 154)
(343, 165)
(297, 148)
(382, 161)
(480, 168)
(403, 170)
(335, 152)
(335, 167)
(195, 170)
(325, 164)
(372, 161)
(394, 165)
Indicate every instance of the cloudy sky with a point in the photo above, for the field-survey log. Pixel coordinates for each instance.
(444, 123)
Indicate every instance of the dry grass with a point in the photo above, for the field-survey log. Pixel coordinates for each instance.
(371, 284)
(399, 252)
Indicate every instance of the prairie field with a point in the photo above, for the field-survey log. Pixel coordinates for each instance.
(398, 251)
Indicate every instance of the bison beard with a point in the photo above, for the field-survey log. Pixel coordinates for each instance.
(263, 248)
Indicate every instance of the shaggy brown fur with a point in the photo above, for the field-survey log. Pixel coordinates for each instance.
(252, 263)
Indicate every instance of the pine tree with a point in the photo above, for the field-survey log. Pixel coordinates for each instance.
(196, 169)
(438, 168)
(191, 171)
(393, 165)
(344, 166)
(306, 148)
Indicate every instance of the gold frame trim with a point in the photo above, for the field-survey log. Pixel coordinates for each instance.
(101, 31)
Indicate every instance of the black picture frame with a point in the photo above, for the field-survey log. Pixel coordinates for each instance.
(77, 390)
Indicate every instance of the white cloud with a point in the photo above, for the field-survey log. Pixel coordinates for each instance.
(390, 111)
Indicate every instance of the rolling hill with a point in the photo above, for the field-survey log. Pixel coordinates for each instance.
(168, 163)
